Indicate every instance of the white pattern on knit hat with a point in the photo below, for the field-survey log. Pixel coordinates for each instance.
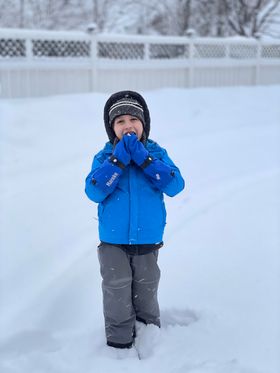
(125, 103)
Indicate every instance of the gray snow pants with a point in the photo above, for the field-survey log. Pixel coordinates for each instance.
(130, 284)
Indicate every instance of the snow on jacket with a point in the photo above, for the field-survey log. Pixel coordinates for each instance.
(134, 213)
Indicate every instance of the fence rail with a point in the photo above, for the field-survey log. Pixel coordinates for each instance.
(36, 63)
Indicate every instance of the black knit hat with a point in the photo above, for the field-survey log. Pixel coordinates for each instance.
(126, 102)
(126, 106)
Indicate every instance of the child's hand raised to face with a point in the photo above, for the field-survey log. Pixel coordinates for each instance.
(121, 152)
(137, 150)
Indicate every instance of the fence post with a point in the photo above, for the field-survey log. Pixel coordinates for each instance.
(191, 66)
(146, 50)
(29, 52)
(92, 31)
(227, 50)
(29, 59)
(258, 62)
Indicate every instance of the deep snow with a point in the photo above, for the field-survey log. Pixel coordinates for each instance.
(219, 291)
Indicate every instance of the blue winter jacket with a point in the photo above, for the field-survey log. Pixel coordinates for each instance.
(134, 213)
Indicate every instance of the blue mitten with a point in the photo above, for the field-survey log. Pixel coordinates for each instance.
(158, 172)
(136, 148)
(121, 153)
(107, 176)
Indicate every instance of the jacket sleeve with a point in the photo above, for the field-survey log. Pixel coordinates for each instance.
(164, 175)
(103, 178)
(177, 183)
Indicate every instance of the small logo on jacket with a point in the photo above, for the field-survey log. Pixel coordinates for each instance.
(113, 178)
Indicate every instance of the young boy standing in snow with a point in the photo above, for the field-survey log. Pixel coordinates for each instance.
(128, 179)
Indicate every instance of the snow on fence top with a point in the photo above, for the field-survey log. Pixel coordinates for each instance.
(37, 46)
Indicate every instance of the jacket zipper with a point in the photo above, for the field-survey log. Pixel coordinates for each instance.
(133, 207)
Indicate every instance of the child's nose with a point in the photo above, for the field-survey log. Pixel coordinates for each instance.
(127, 125)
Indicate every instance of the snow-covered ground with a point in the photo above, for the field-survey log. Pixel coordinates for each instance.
(220, 289)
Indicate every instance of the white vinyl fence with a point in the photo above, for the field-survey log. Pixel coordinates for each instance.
(37, 63)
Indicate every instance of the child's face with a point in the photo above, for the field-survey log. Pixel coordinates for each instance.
(127, 123)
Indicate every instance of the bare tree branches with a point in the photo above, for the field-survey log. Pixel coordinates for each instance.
(165, 17)
(268, 12)
(247, 17)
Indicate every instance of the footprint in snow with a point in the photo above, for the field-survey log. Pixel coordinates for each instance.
(179, 317)
(149, 337)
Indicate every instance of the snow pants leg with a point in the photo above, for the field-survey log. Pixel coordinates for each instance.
(146, 275)
(129, 286)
